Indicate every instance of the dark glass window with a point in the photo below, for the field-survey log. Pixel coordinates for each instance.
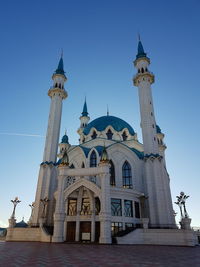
(116, 227)
(72, 204)
(109, 134)
(126, 175)
(83, 165)
(72, 166)
(137, 209)
(116, 207)
(94, 135)
(129, 225)
(128, 208)
(97, 205)
(124, 136)
(93, 159)
(112, 173)
(85, 208)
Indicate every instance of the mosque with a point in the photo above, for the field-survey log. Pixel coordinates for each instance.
(110, 187)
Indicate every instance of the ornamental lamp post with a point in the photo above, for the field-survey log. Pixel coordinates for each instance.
(15, 202)
(32, 207)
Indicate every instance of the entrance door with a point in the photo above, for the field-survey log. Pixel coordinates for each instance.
(97, 231)
(85, 231)
(71, 231)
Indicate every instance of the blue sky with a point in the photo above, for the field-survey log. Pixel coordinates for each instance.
(99, 39)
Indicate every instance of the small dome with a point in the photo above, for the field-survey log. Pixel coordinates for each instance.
(21, 224)
(65, 139)
(158, 130)
(103, 122)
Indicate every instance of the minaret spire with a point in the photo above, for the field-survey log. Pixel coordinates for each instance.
(84, 118)
(85, 112)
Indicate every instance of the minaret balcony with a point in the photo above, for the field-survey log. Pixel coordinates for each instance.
(145, 76)
(53, 91)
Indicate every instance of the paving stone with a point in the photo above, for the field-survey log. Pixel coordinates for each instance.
(34, 254)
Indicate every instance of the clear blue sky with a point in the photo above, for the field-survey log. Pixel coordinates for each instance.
(99, 39)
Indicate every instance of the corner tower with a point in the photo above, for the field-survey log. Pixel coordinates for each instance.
(156, 179)
(84, 119)
(47, 174)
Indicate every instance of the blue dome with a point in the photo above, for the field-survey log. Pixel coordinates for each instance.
(158, 130)
(101, 123)
(21, 224)
(65, 139)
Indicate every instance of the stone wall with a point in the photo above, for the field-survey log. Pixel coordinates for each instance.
(27, 234)
(174, 237)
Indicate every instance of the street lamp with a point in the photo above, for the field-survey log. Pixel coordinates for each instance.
(15, 202)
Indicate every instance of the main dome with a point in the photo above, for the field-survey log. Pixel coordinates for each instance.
(103, 122)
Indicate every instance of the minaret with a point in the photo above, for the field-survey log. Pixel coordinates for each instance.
(47, 174)
(57, 93)
(156, 178)
(143, 80)
(84, 119)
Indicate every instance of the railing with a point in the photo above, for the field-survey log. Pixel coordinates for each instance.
(164, 226)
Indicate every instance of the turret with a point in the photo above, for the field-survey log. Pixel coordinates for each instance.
(64, 145)
(84, 119)
(160, 139)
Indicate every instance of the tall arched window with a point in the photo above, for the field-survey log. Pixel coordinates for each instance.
(112, 173)
(83, 165)
(93, 159)
(126, 175)
(124, 136)
(94, 135)
(72, 166)
(109, 134)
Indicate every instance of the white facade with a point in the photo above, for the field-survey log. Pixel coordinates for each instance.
(110, 183)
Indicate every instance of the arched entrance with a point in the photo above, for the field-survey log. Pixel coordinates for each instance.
(82, 216)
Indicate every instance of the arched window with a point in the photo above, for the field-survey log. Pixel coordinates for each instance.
(56, 85)
(124, 136)
(93, 159)
(112, 173)
(83, 165)
(72, 166)
(142, 70)
(126, 175)
(109, 134)
(94, 135)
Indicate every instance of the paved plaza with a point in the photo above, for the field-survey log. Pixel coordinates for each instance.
(86, 255)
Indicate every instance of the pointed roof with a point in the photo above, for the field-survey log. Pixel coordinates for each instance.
(60, 68)
(140, 52)
(85, 112)
(65, 139)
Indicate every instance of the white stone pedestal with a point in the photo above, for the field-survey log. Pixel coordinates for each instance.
(185, 223)
(145, 223)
